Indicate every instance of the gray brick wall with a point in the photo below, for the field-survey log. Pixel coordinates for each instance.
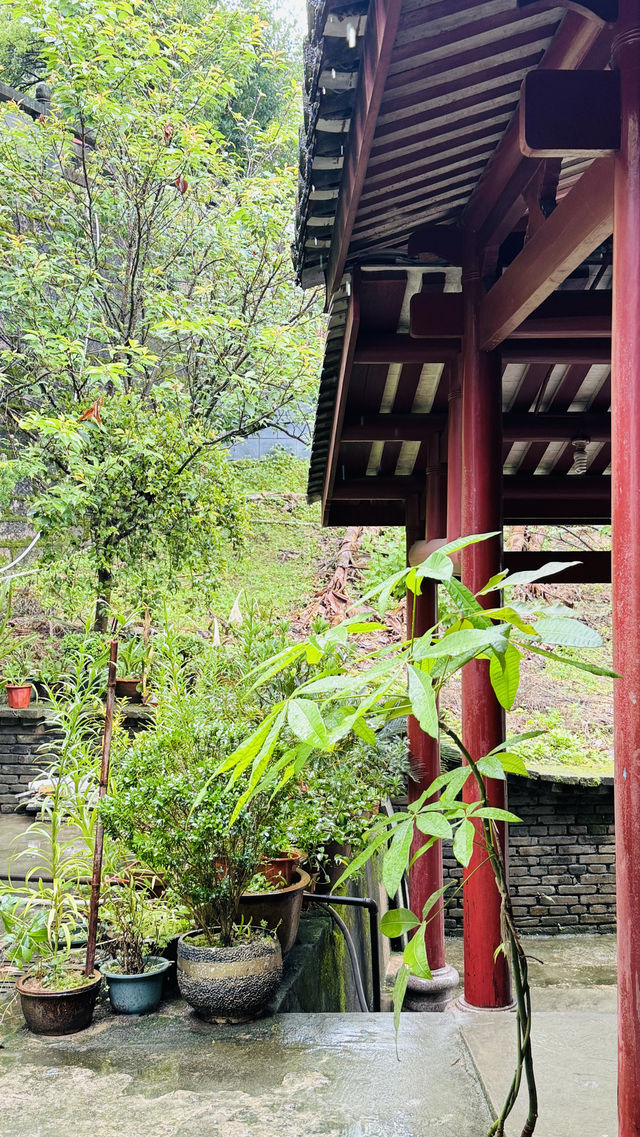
(21, 735)
(561, 857)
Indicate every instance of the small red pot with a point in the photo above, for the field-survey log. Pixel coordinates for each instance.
(19, 695)
(282, 869)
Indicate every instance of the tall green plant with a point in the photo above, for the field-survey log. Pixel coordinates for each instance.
(356, 690)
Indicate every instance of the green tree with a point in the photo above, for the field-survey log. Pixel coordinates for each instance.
(132, 482)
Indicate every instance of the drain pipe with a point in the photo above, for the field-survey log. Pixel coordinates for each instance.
(372, 908)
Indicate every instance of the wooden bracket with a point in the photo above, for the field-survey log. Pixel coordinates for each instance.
(604, 10)
(573, 114)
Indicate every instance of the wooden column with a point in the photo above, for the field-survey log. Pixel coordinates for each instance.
(425, 876)
(454, 452)
(486, 980)
(625, 437)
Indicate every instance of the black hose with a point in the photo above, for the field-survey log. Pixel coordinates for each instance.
(372, 908)
(362, 999)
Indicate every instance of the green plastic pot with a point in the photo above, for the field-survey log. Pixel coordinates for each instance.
(136, 994)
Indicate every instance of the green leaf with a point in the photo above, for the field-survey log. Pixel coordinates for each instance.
(591, 668)
(396, 858)
(567, 633)
(423, 700)
(306, 722)
(415, 955)
(492, 813)
(361, 859)
(493, 583)
(513, 764)
(383, 591)
(463, 842)
(528, 577)
(433, 900)
(491, 767)
(504, 673)
(398, 921)
(438, 566)
(451, 781)
(434, 825)
(362, 729)
(399, 992)
(469, 640)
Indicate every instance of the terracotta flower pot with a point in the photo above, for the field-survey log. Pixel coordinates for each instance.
(57, 1012)
(279, 909)
(229, 984)
(19, 695)
(129, 689)
(281, 869)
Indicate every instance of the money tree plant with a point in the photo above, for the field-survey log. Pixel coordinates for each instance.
(347, 684)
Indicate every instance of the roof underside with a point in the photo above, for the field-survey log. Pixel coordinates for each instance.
(451, 89)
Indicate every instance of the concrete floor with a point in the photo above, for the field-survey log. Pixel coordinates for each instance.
(170, 1075)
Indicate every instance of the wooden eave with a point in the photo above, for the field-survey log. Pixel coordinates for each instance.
(439, 150)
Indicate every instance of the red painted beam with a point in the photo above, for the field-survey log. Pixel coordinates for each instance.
(625, 405)
(516, 427)
(579, 223)
(346, 362)
(556, 351)
(382, 24)
(567, 315)
(496, 202)
(393, 348)
(570, 114)
(425, 876)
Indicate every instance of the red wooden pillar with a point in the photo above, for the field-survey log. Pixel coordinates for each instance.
(625, 470)
(486, 980)
(454, 453)
(425, 876)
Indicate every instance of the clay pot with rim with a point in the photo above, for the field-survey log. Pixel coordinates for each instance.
(280, 870)
(229, 984)
(58, 1012)
(19, 695)
(280, 908)
(129, 689)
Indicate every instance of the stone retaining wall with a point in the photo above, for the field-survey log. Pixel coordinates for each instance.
(561, 858)
(21, 735)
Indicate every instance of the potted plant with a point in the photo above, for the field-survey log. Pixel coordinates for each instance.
(16, 669)
(131, 661)
(43, 919)
(177, 821)
(135, 975)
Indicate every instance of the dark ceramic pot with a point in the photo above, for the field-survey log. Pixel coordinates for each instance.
(229, 984)
(129, 689)
(57, 1012)
(332, 867)
(279, 909)
(136, 994)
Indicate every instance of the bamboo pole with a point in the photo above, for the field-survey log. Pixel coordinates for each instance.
(99, 832)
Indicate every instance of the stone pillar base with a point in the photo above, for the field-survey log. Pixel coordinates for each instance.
(431, 994)
(461, 1004)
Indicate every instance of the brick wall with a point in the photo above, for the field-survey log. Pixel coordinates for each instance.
(561, 857)
(21, 734)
